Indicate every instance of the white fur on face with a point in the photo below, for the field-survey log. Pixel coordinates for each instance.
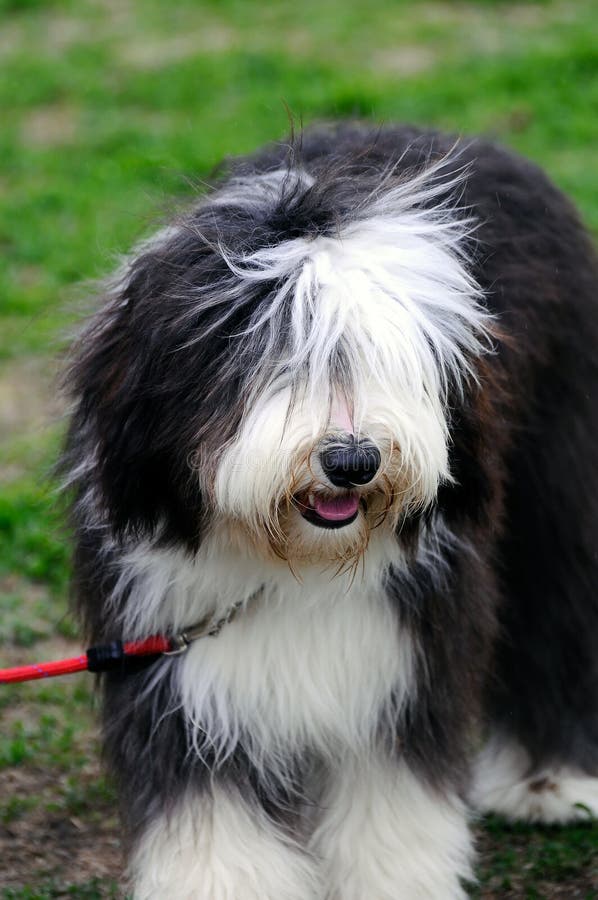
(217, 848)
(384, 317)
(276, 454)
(506, 784)
(392, 291)
(386, 836)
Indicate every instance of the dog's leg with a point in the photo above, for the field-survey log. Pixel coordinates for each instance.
(541, 762)
(385, 835)
(217, 846)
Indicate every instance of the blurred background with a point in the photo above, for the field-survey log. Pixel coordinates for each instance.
(109, 110)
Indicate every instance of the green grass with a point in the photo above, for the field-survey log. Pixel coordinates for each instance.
(109, 117)
(96, 889)
(109, 112)
(531, 862)
(33, 539)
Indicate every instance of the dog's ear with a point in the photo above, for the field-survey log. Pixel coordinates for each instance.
(131, 433)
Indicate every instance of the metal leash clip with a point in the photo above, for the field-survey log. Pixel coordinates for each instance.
(207, 627)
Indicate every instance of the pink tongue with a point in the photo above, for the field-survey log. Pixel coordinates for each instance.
(338, 509)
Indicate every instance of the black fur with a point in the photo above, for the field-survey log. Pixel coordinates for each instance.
(523, 451)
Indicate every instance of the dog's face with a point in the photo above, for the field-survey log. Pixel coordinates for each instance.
(343, 430)
(290, 390)
(344, 427)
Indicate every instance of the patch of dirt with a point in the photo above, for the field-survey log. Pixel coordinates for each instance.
(11, 39)
(55, 34)
(153, 53)
(28, 397)
(49, 126)
(62, 32)
(42, 842)
(497, 28)
(404, 60)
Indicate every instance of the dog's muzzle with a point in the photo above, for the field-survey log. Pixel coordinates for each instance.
(347, 465)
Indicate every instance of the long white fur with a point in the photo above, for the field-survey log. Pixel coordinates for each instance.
(385, 836)
(391, 289)
(264, 189)
(380, 834)
(218, 848)
(255, 469)
(327, 667)
(313, 665)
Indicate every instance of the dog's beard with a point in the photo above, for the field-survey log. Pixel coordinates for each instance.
(293, 532)
(342, 547)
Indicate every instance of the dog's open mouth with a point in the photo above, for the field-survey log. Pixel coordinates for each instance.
(329, 512)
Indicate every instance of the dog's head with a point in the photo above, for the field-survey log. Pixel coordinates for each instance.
(278, 365)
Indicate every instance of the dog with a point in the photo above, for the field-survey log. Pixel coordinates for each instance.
(344, 410)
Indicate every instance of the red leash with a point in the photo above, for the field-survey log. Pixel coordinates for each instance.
(106, 657)
(96, 659)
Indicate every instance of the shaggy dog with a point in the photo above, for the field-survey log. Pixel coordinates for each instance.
(343, 411)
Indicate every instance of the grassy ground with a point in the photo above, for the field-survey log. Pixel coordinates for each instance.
(109, 108)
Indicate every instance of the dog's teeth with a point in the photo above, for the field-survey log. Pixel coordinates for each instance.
(311, 499)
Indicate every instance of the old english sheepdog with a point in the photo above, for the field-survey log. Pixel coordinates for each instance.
(346, 407)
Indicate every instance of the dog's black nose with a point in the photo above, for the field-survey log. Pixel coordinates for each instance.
(346, 465)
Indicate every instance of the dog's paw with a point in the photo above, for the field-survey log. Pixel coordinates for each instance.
(553, 796)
